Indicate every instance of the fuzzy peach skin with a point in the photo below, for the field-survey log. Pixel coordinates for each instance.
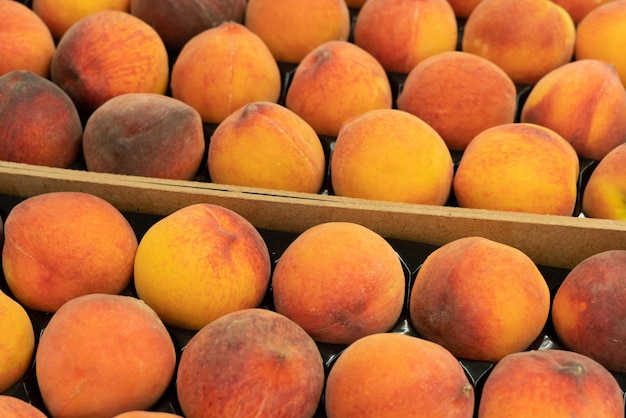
(145, 414)
(264, 144)
(463, 8)
(250, 363)
(400, 34)
(17, 344)
(578, 9)
(585, 102)
(393, 375)
(101, 355)
(292, 31)
(358, 290)
(459, 95)
(480, 299)
(25, 41)
(391, 155)
(604, 195)
(61, 245)
(518, 167)
(17, 408)
(200, 263)
(39, 123)
(550, 383)
(107, 54)
(144, 134)
(336, 82)
(541, 38)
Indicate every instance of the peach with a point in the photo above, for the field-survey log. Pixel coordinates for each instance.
(603, 195)
(106, 54)
(61, 245)
(291, 32)
(584, 102)
(200, 263)
(264, 144)
(336, 82)
(588, 311)
(578, 9)
(145, 414)
(101, 355)
(480, 299)
(253, 362)
(224, 68)
(550, 383)
(18, 342)
(400, 34)
(144, 134)
(177, 21)
(391, 155)
(357, 290)
(540, 40)
(463, 8)
(519, 167)
(393, 375)
(18, 408)
(459, 95)
(25, 41)
(39, 123)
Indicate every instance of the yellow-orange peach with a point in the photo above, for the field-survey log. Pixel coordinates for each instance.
(605, 191)
(264, 144)
(61, 245)
(459, 95)
(18, 342)
(391, 155)
(480, 299)
(400, 34)
(146, 414)
(17, 408)
(578, 9)
(336, 82)
(463, 8)
(200, 263)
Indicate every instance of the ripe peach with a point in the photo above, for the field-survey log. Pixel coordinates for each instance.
(200, 263)
(393, 375)
(336, 82)
(107, 54)
(25, 41)
(584, 102)
(61, 245)
(253, 362)
(291, 32)
(518, 167)
(603, 195)
(480, 299)
(357, 290)
(463, 8)
(459, 95)
(18, 408)
(541, 38)
(578, 9)
(391, 155)
(144, 134)
(18, 342)
(145, 414)
(400, 34)
(101, 355)
(264, 144)
(550, 383)
(39, 123)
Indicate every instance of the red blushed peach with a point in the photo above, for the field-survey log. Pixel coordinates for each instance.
(578, 9)
(604, 195)
(39, 123)
(550, 383)
(358, 290)
(480, 299)
(17, 345)
(61, 245)
(250, 363)
(17, 408)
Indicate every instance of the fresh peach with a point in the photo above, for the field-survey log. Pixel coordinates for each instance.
(519, 167)
(17, 408)
(336, 82)
(357, 290)
(578, 9)
(550, 383)
(101, 355)
(400, 34)
(526, 38)
(480, 299)
(107, 54)
(264, 144)
(391, 155)
(605, 191)
(583, 101)
(459, 95)
(61, 245)
(39, 123)
(144, 134)
(250, 363)
(18, 342)
(200, 263)
(463, 8)
(393, 375)
(145, 414)
(25, 41)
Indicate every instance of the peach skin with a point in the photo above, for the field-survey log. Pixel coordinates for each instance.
(604, 195)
